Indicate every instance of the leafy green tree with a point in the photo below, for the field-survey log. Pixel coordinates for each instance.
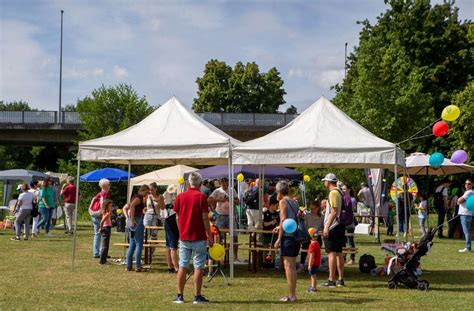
(242, 89)
(109, 110)
(15, 106)
(291, 110)
(463, 130)
(406, 69)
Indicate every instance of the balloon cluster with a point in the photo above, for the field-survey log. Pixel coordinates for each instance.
(450, 113)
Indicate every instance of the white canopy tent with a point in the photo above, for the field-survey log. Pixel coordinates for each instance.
(163, 177)
(170, 135)
(321, 137)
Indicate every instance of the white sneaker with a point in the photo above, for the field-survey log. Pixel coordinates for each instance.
(464, 250)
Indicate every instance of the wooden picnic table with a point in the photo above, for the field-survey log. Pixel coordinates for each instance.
(148, 251)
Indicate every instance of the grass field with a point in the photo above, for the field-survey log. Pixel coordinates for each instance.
(36, 275)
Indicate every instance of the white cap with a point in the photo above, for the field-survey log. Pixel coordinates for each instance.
(330, 177)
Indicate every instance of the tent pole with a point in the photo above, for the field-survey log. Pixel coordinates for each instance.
(396, 196)
(129, 191)
(427, 194)
(260, 193)
(231, 212)
(77, 207)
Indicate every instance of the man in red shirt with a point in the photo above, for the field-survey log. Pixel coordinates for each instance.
(194, 235)
(68, 192)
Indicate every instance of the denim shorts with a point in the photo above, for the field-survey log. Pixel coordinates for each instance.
(289, 247)
(186, 248)
(223, 222)
(172, 233)
(313, 270)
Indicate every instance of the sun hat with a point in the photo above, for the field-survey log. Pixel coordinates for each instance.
(171, 188)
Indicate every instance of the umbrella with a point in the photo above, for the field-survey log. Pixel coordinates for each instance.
(112, 174)
(163, 177)
(418, 164)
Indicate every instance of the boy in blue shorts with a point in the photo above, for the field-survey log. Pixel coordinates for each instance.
(314, 259)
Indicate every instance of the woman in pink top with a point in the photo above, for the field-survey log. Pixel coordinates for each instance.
(105, 229)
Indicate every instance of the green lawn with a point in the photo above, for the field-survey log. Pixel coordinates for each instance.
(36, 274)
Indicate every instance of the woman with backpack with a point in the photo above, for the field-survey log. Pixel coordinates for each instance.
(96, 217)
(289, 247)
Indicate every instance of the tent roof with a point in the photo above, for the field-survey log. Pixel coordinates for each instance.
(163, 177)
(24, 175)
(322, 136)
(171, 134)
(418, 164)
(270, 172)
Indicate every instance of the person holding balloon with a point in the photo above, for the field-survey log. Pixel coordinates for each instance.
(466, 211)
(289, 247)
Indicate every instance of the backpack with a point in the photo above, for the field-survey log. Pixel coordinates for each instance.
(251, 198)
(346, 216)
(367, 263)
(94, 207)
(301, 234)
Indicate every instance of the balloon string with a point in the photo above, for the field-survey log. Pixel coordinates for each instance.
(413, 136)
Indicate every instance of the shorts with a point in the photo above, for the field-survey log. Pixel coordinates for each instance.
(222, 222)
(313, 270)
(335, 240)
(289, 247)
(171, 233)
(186, 248)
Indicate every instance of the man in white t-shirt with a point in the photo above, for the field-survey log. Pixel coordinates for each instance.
(219, 201)
(466, 215)
(441, 204)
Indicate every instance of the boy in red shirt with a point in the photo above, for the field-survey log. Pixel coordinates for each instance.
(314, 255)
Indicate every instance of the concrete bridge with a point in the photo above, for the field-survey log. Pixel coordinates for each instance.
(50, 128)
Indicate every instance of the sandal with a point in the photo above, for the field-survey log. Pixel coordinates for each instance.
(141, 269)
(287, 299)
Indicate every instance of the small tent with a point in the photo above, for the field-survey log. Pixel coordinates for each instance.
(163, 177)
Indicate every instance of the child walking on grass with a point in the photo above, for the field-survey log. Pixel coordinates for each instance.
(105, 230)
(314, 255)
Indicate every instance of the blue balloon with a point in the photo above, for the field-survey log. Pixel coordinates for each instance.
(436, 159)
(289, 225)
(470, 203)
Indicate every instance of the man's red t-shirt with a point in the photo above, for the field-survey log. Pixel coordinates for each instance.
(315, 249)
(189, 206)
(69, 194)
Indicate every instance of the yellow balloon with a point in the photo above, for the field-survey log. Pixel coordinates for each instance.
(217, 251)
(119, 211)
(306, 178)
(240, 177)
(181, 180)
(450, 113)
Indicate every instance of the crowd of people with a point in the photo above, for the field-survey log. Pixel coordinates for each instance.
(35, 207)
(188, 219)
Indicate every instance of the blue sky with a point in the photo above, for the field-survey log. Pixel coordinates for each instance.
(161, 47)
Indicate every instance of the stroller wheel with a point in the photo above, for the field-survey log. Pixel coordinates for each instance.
(423, 285)
(392, 285)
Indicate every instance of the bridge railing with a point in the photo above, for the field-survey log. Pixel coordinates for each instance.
(217, 119)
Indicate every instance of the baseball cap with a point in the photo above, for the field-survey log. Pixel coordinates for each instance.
(330, 177)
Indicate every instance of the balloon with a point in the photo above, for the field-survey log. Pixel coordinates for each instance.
(440, 128)
(240, 177)
(306, 178)
(289, 225)
(459, 156)
(470, 203)
(119, 211)
(216, 251)
(268, 258)
(311, 231)
(181, 180)
(450, 113)
(436, 159)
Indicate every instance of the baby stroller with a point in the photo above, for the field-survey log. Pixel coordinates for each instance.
(408, 274)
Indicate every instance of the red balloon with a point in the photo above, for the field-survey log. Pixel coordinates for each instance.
(440, 128)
